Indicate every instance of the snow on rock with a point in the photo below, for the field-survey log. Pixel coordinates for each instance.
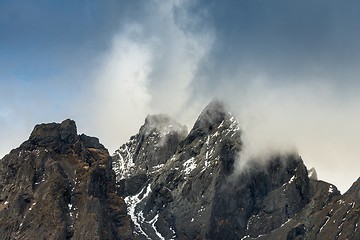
(174, 234)
(153, 222)
(234, 127)
(189, 166)
(132, 202)
(312, 174)
(125, 164)
(285, 222)
(32, 206)
(245, 237)
(157, 168)
(291, 179)
(327, 220)
(289, 182)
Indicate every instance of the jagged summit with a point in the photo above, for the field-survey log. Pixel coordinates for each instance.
(53, 133)
(156, 142)
(210, 118)
(162, 124)
(59, 185)
(312, 174)
(191, 192)
(59, 137)
(166, 184)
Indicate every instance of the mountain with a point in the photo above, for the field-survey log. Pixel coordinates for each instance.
(60, 185)
(166, 183)
(187, 186)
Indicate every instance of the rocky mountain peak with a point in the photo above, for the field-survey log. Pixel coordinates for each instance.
(58, 185)
(165, 184)
(156, 141)
(210, 118)
(55, 135)
(192, 193)
(214, 115)
(162, 124)
(50, 132)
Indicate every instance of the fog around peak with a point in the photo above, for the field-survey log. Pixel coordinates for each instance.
(287, 70)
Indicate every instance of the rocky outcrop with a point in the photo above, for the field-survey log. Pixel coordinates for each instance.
(194, 190)
(59, 185)
(166, 183)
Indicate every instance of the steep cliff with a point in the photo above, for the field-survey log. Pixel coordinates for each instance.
(59, 185)
(192, 190)
(167, 183)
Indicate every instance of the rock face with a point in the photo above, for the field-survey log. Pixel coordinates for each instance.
(59, 185)
(166, 183)
(193, 190)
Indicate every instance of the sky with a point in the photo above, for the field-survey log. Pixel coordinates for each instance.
(289, 70)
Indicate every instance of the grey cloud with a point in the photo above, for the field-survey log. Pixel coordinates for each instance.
(287, 68)
(311, 40)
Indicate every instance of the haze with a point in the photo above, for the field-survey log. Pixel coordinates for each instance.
(288, 69)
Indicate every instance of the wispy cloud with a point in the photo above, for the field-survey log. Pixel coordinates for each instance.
(307, 118)
(148, 69)
(288, 70)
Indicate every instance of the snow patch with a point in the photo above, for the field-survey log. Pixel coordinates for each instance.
(221, 124)
(331, 189)
(291, 179)
(174, 234)
(285, 222)
(153, 222)
(32, 206)
(125, 164)
(157, 168)
(132, 202)
(327, 220)
(189, 166)
(234, 127)
(208, 140)
(244, 237)
(201, 209)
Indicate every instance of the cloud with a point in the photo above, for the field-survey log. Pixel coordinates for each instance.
(290, 85)
(148, 69)
(289, 71)
(309, 118)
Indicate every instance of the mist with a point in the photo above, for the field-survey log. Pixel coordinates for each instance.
(308, 119)
(147, 70)
(288, 71)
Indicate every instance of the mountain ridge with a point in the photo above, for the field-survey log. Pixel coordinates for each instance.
(166, 183)
(59, 185)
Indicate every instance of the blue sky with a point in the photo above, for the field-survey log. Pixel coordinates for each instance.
(288, 69)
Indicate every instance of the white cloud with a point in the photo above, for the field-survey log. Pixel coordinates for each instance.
(148, 69)
(308, 117)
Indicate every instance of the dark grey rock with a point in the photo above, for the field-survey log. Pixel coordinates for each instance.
(166, 184)
(194, 192)
(58, 185)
